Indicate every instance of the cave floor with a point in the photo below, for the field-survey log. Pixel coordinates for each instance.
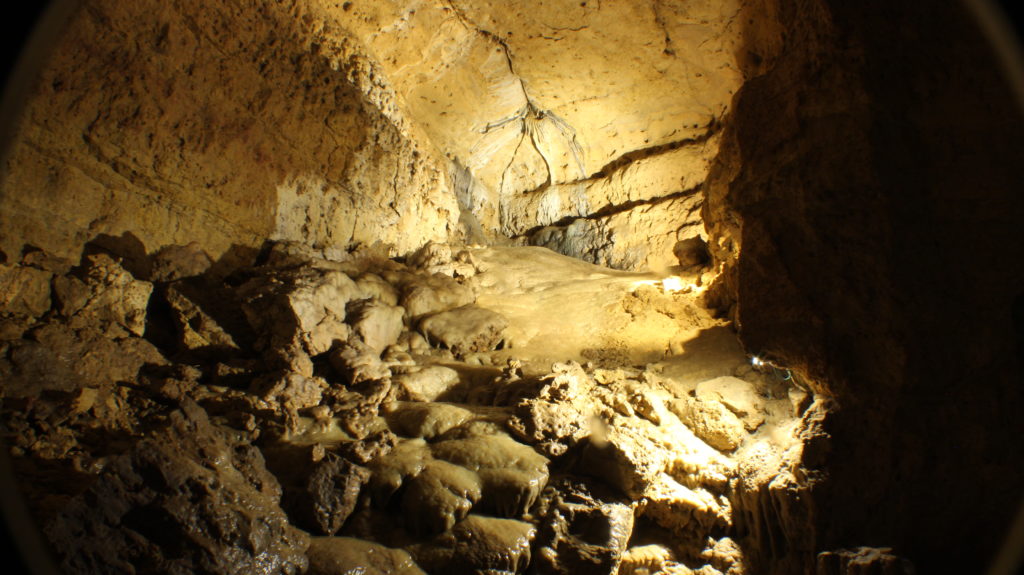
(519, 410)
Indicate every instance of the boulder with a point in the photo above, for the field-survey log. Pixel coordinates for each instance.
(738, 395)
(331, 493)
(582, 530)
(863, 560)
(427, 420)
(625, 458)
(358, 362)
(425, 295)
(184, 500)
(372, 286)
(56, 357)
(712, 421)
(376, 323)
(478, 544)
(175, 262)
(464, 330)
(438, 497)
(301, 308)
(428, 383)
(335, 555)
(24, 291)
(103, 295)
(512, 474)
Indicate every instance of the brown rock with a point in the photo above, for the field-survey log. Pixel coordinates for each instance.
(438, 497)
(331, 493)
(185, 499)
(24, 291)
(478, 544)
(175, 262)
(334, 555)
(55, 357)
(369, 448)
(580, 532)
(103, 295)
(293, 390)
(197, 329)
(878, 560)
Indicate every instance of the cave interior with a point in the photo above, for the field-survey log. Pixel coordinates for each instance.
(467, 286)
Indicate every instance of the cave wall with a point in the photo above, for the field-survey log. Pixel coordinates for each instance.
(587, 127)
(572, 124)
(223, 123)
(868, 197)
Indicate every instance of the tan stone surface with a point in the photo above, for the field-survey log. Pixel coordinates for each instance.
(222, 123)
(335, 124)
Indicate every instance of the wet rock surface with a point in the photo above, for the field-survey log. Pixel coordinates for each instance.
(185, 499)
(294, 399)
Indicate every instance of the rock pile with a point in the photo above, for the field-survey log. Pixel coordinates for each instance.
(318, 413)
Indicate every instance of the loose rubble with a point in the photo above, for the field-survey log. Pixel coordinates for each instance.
(360, 412)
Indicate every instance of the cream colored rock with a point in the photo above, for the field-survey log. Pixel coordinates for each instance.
(372, 286)
(711, 421)
(428, 383)
(555, 427)
(645, 559)
(738, 395)
(358, 362)
(377, 324)
(725, 555)
(425, 295)
(427, 420)
(683, 510)
(195, 139)
(625, 458)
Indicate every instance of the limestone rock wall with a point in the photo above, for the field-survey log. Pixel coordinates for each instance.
(575, 125)
(866, 208)
(547, 111)
(224, 123)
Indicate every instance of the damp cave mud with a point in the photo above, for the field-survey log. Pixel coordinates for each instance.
(472, 287)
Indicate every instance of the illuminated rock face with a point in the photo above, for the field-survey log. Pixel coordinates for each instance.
(587, 128)
(219, 124)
